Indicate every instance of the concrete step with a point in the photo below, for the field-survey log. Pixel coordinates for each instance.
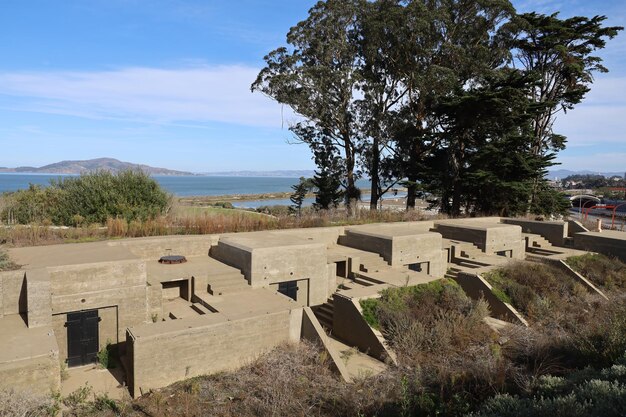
(200, 309)
(325, 313)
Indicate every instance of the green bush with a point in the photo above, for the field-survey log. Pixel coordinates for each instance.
(89, 198)
(106, 356)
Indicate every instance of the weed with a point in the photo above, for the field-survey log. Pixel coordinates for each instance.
(78, 397)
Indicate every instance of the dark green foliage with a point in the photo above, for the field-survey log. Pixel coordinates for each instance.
(300, 191)
(608, 273)
(458, 98)
(89, 198)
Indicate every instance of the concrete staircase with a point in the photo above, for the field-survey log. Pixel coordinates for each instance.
(465, 250)
(325, 313)
(372, 262)
(452, 273)
(228, 282)
(538, 245)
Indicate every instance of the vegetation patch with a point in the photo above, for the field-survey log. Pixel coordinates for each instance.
(89, 198)
(532, 288)
(6, 264)
(608, 273)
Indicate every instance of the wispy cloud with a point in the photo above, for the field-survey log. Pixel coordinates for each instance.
(153, 95)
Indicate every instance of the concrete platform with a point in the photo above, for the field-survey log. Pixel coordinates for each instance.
(102, 381)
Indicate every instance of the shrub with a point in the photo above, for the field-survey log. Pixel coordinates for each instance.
(6, 264)
(106, 356)
(24, 404)
(89, 198)
(532, 288)
(609, 273)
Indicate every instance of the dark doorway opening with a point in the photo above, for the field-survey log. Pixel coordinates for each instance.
(341, 269)
(82, 337)
(289, 288)
(420, 267)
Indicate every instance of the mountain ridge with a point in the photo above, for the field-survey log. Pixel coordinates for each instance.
(93, 165)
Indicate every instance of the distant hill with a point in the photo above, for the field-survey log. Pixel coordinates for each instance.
(562, 173)
(93, 165)
(283, 173)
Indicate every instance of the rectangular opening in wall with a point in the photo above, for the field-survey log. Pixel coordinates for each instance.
(420, 267)
(505, 253)
(176, 289)
(289, 288)
(342, 269)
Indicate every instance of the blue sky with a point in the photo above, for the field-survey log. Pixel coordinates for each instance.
(166, 83)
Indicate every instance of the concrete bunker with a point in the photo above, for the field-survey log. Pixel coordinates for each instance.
(236, 296)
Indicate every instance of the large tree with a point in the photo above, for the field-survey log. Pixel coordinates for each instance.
(317, 76)
(559, 54)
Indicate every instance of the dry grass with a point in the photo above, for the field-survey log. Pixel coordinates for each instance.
(608, 273)
(23, 404)
(184, 222)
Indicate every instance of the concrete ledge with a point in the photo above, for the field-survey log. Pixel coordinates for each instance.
(476, 287)
(313, 332)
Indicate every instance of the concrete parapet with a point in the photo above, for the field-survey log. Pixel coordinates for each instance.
(38, 298)
(489, 237)
(152, 248)
(13, 292)
(574, 226)
(165, 352)
(29, 358)
(313, 332)
(553, 232)
(476, 287)
(607, 242)
(350, 327)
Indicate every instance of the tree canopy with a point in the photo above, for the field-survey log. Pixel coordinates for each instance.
(456, 97)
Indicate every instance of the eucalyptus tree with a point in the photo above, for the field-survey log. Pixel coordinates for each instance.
(559, 53)
(318, 77)
(448, 47)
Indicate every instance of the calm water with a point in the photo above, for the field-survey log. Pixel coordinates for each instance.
(181, 186)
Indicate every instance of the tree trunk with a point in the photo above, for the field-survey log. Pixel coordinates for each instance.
(411, 193)
(350, 201)
(374, 197)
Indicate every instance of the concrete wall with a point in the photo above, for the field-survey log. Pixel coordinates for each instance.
(116, 289)
(607, 242)
(39, 375)
(367, 240)
(12, 293)
(574, 227)
(38, 299)
(553, 232)
(152, 248)
(166, 352)
(476, 287)
(313, 332)
(350, 327)
(490, 238)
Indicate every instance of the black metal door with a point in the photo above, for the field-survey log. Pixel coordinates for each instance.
(289, 288)
(82, 337)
